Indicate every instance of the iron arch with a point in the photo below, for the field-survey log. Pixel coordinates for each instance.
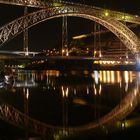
(17, 26)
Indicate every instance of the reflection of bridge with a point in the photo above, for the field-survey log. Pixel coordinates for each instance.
(17, 118)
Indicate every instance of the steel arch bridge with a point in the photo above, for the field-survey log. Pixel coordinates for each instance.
(111, 21)
(108, 19)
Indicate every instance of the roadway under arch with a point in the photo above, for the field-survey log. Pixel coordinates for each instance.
(12, 29)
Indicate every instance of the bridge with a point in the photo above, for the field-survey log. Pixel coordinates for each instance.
(107, 18)
(49, 10)
(19, 52)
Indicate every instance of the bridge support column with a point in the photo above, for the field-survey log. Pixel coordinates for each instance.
(64, 37)
(25, 34)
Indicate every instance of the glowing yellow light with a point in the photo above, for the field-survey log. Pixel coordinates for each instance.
(106, 13)
(108, 76)
(63, 50)
(104, 76)
(123, 17)
(79, 37)
(112, 77)
(126, 76)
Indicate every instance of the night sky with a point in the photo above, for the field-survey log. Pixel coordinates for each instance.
(48, 34)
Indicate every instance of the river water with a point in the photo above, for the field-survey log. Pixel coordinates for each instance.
(69, 105)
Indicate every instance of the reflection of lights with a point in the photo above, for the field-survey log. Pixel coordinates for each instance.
(74, 91)
(100, 89)
(101, 76)
(112, 77)
(65, 92)
(87, 90)
(108, 76)
(96, 77)
(104, 76)
(126, 76)
(27, 94)
(135, 92)
(95, 91)
(126, 87)
(123, 125)
(118, 77)
(130, 76)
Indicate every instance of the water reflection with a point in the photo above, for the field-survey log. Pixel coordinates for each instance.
(62, 104)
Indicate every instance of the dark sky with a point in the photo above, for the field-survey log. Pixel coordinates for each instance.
(48, 33)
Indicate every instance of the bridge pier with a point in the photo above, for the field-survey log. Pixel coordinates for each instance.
(25, 33)
(64, 36)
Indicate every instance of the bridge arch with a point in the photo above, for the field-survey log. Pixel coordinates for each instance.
(17, 26)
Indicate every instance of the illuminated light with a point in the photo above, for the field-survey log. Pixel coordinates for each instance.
(67, 54)
(126, 62)
(106, 14)
(123, 17)
(56, 4)
(104, 62)
(118, 62)
(96, 62)
(100, 55)
(108, 62)
(112, 62)
(63, 50)
(95, 52)
(131, 104)
(79, 37)
(123, 125)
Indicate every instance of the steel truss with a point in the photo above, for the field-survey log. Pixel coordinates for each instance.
(17, 26)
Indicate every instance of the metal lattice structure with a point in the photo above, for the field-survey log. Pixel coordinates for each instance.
(17, 26)
(29, 3)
